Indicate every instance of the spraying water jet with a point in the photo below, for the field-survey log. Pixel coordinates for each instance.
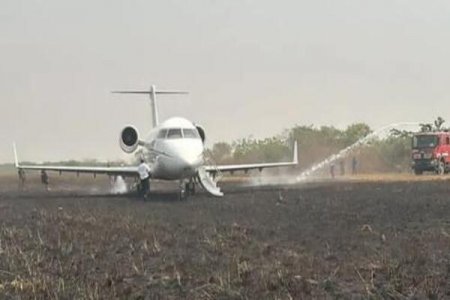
(361, 142)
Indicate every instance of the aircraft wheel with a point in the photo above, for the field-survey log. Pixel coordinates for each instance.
(190, 188)
(183, 191)
(193, 188)
(182, 195)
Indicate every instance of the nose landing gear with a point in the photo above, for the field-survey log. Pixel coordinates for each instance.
(187, 188)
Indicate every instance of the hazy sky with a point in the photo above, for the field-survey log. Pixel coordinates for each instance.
(252, 67)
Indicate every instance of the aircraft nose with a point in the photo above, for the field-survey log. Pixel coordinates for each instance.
(192, 161)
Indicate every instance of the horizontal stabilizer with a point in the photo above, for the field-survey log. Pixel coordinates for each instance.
(152, 92)
(157, 92)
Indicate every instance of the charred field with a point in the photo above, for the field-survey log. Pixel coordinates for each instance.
(325, 240)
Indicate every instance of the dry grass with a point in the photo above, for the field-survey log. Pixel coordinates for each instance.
(339, 240)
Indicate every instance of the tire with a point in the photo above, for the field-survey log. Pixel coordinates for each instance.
(418, 172)
(182, 194)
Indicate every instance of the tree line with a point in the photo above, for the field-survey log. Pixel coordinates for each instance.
(391, 153)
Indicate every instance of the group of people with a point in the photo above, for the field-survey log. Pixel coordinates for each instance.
(22, 179)
(354, 163)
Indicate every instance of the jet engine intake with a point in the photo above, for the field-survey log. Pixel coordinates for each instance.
(129, 139)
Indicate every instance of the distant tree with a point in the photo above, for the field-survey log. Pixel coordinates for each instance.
(438, 123)
(252, 150)
(395, 151)
(435, 126)
(426, 127)
(356, 131)
(221, 151)
(400, 133)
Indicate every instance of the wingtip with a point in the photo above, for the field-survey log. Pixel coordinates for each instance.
(295, 153)
(16, 159)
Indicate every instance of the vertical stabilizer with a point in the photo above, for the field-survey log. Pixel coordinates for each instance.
(152, 94)
(154, 106)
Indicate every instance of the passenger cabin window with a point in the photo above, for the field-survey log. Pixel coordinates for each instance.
(174, 134)
(447, 140)
(190, 133)
(162, 134)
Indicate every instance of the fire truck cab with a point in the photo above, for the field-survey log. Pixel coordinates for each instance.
(430, 152)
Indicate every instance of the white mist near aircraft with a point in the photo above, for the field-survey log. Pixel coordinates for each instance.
(174, 149)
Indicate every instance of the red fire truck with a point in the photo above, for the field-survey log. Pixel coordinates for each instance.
(430, 152)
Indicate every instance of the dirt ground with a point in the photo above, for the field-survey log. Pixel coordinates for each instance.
(351, 238)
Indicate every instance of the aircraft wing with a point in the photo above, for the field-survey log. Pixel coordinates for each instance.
(126, 171)
(259, 166)
(122, 171)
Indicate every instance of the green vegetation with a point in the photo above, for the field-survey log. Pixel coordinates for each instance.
(388, 154)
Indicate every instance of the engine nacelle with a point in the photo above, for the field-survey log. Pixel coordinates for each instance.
(129, 139)
(201, 132)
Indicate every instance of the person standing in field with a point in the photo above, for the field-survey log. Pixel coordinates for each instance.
(44, 179)
(354, 165)
(22, 178)
(332, 170)
(144, 175)
(342, 167)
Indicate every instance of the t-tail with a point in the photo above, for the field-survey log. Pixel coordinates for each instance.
(152, 94)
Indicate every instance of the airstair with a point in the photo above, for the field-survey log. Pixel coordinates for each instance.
(209, 179)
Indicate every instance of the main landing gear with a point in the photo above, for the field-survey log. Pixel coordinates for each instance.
(187, 188)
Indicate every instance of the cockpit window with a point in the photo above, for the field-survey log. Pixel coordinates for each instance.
(162, 134)
(174, 134)
(190, 133)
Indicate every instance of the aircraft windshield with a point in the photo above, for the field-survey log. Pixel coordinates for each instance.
(189, 133)
(162, 134)
(178, 133)
(174, 133)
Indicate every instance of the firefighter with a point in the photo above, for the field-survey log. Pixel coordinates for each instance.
(144, 175)
(44, 179)
(342, 167)
(22, 178)
(354, 165)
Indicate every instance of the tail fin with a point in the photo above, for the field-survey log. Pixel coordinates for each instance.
(152, 93)
(16, 159)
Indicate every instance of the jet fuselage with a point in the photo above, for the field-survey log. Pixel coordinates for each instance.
(174, 149)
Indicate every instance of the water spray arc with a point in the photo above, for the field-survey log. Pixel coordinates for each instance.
(362, 141)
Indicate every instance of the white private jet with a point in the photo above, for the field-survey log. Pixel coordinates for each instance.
(175, 150)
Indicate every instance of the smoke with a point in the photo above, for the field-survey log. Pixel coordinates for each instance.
(119, 186)
(269, 178)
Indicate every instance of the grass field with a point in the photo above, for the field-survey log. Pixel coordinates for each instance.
(347, 238)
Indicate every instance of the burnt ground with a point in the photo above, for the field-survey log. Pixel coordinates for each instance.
(324, 240)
